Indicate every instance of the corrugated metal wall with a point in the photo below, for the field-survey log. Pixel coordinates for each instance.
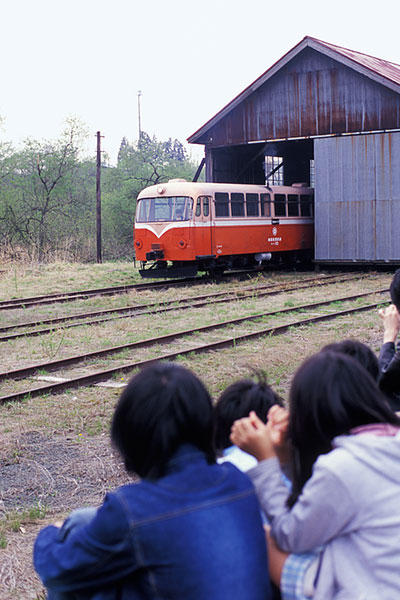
(357, 198)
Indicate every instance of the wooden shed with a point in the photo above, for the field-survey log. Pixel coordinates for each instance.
(330, 117)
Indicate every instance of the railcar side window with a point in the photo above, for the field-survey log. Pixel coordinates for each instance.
(237, 204)
(221, 204)
(265, 205)
(306, 206)
(252, 205)
(280, 205)
(205, 201)
(293, 205)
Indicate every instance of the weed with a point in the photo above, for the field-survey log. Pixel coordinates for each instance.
(15, 280)
(97, 427)
(15, 519)
(289, 303)
(42, 372)
(50, 343)
(336, 304)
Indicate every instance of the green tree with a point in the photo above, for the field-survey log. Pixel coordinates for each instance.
(42, 201)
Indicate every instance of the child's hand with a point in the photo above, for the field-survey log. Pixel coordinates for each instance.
(278, 424)
(391, 323)
(253, 436)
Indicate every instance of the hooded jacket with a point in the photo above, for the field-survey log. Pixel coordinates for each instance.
(351, 503)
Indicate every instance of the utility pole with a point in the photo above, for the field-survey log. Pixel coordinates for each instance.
(139, 120)
(98, 199)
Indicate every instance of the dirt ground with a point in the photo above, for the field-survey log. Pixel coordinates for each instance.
(59, 474)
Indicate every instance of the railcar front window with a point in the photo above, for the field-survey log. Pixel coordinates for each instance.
(171, 208)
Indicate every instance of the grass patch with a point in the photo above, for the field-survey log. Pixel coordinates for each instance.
(16, 520)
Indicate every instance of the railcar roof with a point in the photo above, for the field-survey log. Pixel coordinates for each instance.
(190, 188)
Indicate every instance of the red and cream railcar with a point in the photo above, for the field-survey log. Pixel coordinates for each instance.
(218, 226)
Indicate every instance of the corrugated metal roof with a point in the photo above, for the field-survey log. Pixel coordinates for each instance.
(383, 72)
(389, 70)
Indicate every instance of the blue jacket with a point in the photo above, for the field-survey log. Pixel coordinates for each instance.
(194, 534)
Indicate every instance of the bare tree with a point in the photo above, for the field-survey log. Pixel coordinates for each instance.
(40, 191)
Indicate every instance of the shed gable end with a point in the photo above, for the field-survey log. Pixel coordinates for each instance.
(311, 95)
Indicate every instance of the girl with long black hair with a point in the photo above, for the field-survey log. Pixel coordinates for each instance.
(343, 444)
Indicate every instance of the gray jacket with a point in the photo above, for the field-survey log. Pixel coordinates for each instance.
(351, 503)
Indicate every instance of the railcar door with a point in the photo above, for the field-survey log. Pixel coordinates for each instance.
(204, 228)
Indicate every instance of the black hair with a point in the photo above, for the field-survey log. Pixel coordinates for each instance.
(237, 401)
(331, 393)
(164, 406)
(395, 289)
(360, 352)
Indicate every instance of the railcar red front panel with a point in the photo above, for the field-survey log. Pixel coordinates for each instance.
(174, 239)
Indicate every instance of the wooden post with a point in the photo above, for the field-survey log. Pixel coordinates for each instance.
(139, 116)
(199, 169)
(98, 200)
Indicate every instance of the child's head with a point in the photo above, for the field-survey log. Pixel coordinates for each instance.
(395, 289)
(237, 401)
(331, 393)
(163, 407)
(360, 352)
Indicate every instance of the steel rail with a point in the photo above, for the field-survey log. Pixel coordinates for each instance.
(168, 305)
(84, 294)
(101, 375)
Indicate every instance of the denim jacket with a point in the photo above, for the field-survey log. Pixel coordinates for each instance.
(194, 534)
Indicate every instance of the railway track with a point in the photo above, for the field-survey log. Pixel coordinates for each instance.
(61, 297)
(168, 305)
(84, 294)
(181, 337)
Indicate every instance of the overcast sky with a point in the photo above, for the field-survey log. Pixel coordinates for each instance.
(89, 58)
